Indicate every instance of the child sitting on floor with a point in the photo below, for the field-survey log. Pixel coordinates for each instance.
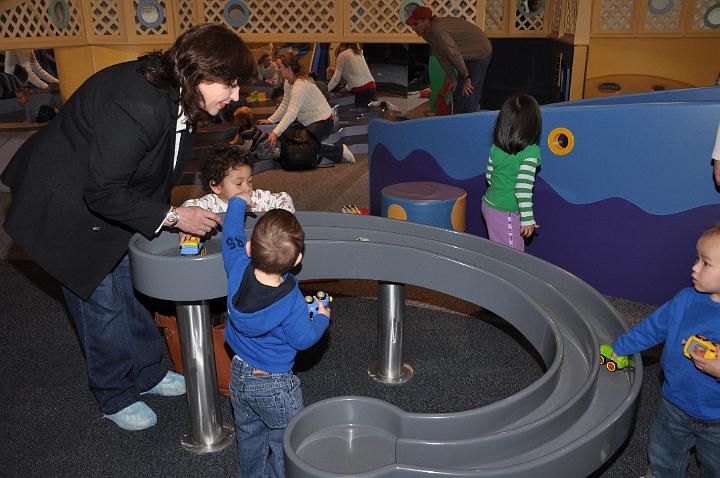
(251, 139)
(225, 171)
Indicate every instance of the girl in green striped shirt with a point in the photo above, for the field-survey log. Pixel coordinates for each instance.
(514, 160)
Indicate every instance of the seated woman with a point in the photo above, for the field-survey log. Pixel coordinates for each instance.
(351, 66)
(304, 102)
(267, 70)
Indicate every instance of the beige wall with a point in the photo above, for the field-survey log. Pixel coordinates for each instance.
(77, 64)
(691, 60)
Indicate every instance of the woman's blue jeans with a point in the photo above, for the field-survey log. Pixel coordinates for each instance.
(263, 406)
(122, 345)
(673, 434)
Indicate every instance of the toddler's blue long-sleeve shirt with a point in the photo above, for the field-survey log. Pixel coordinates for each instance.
(688, 313)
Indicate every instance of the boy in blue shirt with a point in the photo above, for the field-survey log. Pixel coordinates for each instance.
(268, 322)
(688, 414)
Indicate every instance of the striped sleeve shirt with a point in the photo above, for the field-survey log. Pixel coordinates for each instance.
(511, 178)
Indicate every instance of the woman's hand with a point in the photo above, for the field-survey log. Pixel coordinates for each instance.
(263, 121)
(527, 231)
(272, 138)
(197, 221)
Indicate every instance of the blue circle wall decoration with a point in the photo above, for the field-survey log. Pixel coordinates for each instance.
(236, 13)
(660, 7)
(407, 7)
(150, 13)
(59, 13)
(712, 17)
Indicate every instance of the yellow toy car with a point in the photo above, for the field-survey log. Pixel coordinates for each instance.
(701, 346)
(192, 247)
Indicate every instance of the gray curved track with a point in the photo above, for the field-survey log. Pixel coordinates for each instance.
(568, 423)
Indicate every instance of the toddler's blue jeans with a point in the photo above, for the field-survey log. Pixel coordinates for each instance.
(263, 405)
(673, 434)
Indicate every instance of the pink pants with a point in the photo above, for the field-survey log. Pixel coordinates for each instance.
(503, 227)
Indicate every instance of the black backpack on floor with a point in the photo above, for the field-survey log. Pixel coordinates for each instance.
(298, 149)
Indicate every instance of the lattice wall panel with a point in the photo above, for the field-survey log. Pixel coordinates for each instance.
(663, 22)
(144, 30)
(494, 16)
(31, 20)
(571, 13)
(698, 22)
(529, 23)
(376, 18)
(556, 19)
(105, 17)
(454, 8)
(185, 15)
(615, 16)
(280, 16)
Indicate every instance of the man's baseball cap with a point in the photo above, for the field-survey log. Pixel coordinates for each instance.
(420, 13)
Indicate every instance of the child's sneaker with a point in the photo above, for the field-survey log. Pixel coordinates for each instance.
(347, 155)
(137, 416)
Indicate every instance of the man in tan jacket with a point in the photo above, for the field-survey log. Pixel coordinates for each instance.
(458, 45)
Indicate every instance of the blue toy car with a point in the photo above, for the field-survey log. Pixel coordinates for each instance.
(313, 300)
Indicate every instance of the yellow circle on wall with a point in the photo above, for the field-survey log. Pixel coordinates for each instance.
(396, 211)
(561, 141)
(458, 213)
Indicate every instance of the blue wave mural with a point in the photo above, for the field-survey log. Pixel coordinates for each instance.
(654, 155)
(616, 246)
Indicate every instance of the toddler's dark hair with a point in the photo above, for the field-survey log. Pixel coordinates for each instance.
(218, 160)
(277, 92)
(276, 242)
(518, 124)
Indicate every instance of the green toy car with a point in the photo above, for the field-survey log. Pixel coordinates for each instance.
(614, 362)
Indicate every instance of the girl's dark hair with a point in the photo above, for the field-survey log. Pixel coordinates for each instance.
(291, 61)
(276, 241)
(262, 58)
(518, 124)
(207, 53)
(218, 160)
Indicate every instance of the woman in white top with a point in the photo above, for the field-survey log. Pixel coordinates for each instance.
(26, 58)
(304, 102)
(352, 66)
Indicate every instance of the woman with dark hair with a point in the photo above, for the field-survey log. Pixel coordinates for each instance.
(304, 102)
(352, 66)
(101, 171)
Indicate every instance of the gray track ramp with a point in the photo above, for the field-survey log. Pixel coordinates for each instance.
(567, 424)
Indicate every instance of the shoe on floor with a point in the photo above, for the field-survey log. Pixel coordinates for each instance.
(347, 155)
(172, 385)
(137, 416)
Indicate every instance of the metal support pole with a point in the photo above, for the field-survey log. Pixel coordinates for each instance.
(390, 368)
(207, 431)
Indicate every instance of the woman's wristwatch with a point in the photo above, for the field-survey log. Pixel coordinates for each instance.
(172, 217)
